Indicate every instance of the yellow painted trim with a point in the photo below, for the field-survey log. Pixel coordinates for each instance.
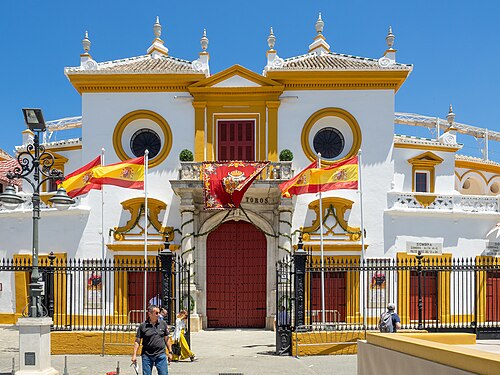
(334, 112)
(199, 130)
(339, 80)
(8, 318)
(479, 173)
(335, 247)
(341, 205)
(425, 200)
(139, 115)
(272, 130)
(426, 147)
(91, 83)
(474, 361)
(64, 148)
(152, 247)
(155, 206)
(477, 165)
(444, 279)
(425, 162)
(235, 70)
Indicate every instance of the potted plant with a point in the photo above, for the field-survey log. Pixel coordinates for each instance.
(286, 155)
(186, 155)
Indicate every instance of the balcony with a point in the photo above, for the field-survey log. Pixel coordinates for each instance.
(442, 202)
(276, 171)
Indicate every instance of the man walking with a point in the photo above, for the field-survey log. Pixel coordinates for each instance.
(389, 320)
(155, 337)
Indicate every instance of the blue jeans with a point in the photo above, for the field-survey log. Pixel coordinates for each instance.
(160, 362)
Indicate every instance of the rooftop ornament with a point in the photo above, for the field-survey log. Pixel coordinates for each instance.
(271, 40)
(319, 45)
(389, 39)
(204, 41)
(157, 48)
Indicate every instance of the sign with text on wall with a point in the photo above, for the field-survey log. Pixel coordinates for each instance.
(493, 249)
(425, 247)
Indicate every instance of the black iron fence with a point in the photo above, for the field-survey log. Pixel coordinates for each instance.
(104, 294)
(438, 294)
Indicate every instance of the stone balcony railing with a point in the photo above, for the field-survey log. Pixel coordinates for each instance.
(275, 171)
(432, 201)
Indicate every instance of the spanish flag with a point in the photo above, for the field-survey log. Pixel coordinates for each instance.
(79, 182)
(128, 174)
(343, 175)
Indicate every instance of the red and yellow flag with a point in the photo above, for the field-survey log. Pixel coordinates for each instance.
(128, 174)
(343, 175)
(79, 182)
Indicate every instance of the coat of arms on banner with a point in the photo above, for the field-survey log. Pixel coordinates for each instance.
(225, 183)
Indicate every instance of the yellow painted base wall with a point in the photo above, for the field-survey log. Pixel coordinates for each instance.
(79, 342)
(324, 342)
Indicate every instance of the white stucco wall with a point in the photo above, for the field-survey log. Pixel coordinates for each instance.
(374, 112)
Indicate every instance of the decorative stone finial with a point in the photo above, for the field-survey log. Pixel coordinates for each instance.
(158, 48)
(157, 27)
(319, 46)
(319, 24)
(389, 39)
(204, 40)
(271, 39)
(450, 116)
(86, 43)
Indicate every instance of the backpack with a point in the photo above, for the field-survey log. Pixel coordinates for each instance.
(385, 324)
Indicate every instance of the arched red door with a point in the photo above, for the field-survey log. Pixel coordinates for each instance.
(236, 276)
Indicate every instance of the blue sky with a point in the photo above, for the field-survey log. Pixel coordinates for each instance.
(453, 45)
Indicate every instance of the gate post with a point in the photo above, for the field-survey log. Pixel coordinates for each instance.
(50, 286)
(166, 281)
(419, 257)
(299, 258)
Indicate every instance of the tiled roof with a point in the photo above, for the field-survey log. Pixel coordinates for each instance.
(7, 166)
(140, 64)
(336, 61)
(476, 160)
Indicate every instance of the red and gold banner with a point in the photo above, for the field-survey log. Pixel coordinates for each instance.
(343, 175)
(225, 183)
(78, 182)
(128, 174)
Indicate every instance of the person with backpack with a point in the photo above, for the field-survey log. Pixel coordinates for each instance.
(389, 321)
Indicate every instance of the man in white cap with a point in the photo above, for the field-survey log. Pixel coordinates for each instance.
(389, 320)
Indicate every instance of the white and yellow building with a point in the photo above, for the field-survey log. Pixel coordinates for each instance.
(414, 189)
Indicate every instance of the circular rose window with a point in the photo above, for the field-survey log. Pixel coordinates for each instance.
(329, 142)
(145, 139)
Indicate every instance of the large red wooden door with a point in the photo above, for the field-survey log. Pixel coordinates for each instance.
(429, 280)
(236, 276)
(493, 296)
(235, 140)
(335, 297)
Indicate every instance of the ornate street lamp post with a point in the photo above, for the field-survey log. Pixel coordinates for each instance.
(37, 163)
(35, 167)
(419, 257)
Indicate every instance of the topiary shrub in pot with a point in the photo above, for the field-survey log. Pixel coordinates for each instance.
(286, 155)
(186, 155)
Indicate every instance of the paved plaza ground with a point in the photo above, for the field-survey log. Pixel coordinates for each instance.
(228, 351)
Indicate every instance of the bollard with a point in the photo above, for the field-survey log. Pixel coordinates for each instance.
(65, 371)
(13, 366)
(118, 368)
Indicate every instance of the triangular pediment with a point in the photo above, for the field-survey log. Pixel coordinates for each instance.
(426, 158)
(236, 76)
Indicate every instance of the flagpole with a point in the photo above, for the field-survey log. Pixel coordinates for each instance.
(321, 250)
(103, 249)
(146, 153)
(362, 228)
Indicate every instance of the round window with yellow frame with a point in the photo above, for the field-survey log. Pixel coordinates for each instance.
(141, 130)
(334, 133)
